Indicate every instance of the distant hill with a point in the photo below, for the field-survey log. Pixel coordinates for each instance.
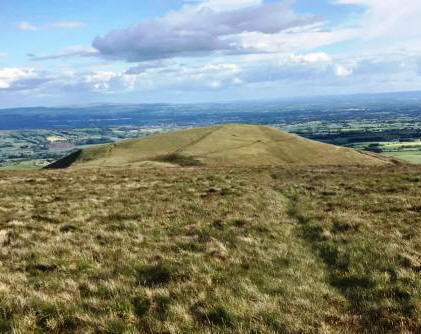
(219, 146)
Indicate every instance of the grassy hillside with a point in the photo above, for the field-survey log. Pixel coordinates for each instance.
(234, 145)
(211, 250)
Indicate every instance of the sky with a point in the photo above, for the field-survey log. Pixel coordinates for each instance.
(72, 52)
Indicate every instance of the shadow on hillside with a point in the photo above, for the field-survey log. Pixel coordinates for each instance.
(65, 162)
(179, 159)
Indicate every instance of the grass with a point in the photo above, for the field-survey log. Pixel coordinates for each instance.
(401, 144)
(410, 156)
(211, 250)
(222, 146)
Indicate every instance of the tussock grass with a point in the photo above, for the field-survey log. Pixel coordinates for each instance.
(182, 250)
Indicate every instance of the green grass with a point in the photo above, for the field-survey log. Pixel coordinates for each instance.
(410, 156)
(226, 250)
(222, 146)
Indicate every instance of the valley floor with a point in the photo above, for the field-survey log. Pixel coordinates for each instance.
(197, 250)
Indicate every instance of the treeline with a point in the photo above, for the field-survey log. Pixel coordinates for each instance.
(354, 137)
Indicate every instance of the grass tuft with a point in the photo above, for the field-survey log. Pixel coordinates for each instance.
(212, 315)
(159, 275)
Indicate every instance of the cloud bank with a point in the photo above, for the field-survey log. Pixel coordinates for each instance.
(208, 28)
(283, 72)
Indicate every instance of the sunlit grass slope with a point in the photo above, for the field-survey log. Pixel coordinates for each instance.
(205, 250)
(229, 145)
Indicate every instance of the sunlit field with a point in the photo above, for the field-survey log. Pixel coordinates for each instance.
(413, 157)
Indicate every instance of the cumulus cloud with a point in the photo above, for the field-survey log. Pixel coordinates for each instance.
(279, 74)
(307, 69)
(212, 26)
(241, 27)
(12, 78)
(176, 76)
(239, 45)
(30, 80)
(220, 75)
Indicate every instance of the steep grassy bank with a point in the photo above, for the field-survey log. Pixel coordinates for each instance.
(204, 250)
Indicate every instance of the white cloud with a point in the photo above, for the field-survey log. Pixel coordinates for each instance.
(220, 75)
(292, 42)
(26, 26)
(274, 70)
(237, 81)
(99, 80)
(225, 27)
(3, 54)
(318, 57)
(243, 44)
(342, 71)
(274, 74)
(223, 5)
(12, 77)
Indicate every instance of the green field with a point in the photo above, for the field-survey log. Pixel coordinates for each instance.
(410, 156)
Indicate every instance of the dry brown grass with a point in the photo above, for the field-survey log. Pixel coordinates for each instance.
(198, 250)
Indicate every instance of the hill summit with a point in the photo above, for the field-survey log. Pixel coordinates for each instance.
(219, 146)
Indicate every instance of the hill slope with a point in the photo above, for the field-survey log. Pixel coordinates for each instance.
(211, 250)
(228, 145)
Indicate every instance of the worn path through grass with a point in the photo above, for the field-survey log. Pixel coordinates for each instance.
(316, 250)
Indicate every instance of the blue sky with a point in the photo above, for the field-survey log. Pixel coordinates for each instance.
(61, 52)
